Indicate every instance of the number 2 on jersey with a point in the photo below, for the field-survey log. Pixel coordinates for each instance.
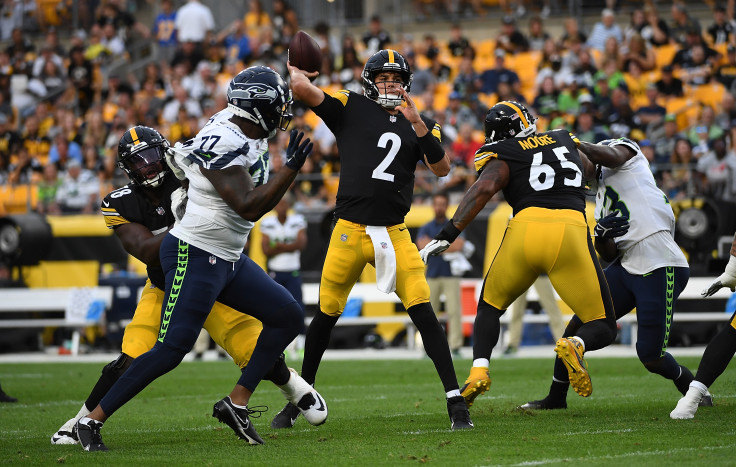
(380, 171)
(538, 169)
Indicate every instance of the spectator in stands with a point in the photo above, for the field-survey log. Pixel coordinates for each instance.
(585, 70)
(726, 117)
(682, 23)
(664, 141)
(656, 32)
(537, 34)
(328, 42)
(572, 33)
(283, 16)
(668, 85)
(705, 130)
(36, 142)
(96, 51)
(181, 99)
(25, 170)
(256, 17)
(636, 83)
(722, 30)
(505, 92)
(585, 128)
(488, 79)
(64, 151)
(47, 188)
(637, 50)
(677, 183)
(20, 45)
(194, 22)
(439, 70)
(10, 140)
(554, 69)
(604, 29)
(123, 23)
(717, 171)
(164, 30)
(79, 190)
(685, 54)
(611, 52)
(458, 43)
(465, 145)
(81, 76)
(726, 73)
(545, 101)
(458, 114)
(52, 80)
(375, 38)
(510, 38)
(112, 41)
(465, 79)
(91, 159)
(620, 120)
(652, 114)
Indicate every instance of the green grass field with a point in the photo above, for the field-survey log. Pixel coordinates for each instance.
(381, 413)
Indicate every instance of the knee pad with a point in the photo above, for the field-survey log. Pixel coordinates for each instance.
(118, 366)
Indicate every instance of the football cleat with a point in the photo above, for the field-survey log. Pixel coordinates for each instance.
(457, 409)
(87, 431)
(302, 395)
(66, 434)
(571, 353)
(544, 404)
(687, 405)
(6, 398)
(477, 383)
(287, 417)
(238, 419)
(707, 400)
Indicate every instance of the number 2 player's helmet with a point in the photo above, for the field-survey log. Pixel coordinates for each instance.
(259, 95)
(141, 152)
(509, 119)
(384, 61)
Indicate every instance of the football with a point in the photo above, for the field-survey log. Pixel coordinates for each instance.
(304, 52)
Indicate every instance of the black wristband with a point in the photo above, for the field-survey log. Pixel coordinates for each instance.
(449, 232)
(431, 148)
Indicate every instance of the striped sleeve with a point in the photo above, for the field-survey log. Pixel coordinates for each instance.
(341, 95)
(113, 218)
(482, 157)
(574, 138)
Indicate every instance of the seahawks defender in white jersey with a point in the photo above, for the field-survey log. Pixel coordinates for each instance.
(202, 257)
(635, 233)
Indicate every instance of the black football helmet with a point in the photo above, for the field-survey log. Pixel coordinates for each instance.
(383, 61)
(261, 96)
(141, 153)
(509, 119)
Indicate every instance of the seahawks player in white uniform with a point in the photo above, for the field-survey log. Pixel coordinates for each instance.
(202, 256)
(635, 233)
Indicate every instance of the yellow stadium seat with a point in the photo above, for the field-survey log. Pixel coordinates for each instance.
(723, 50)
(710, 94)
(664, 54)
(485, 48)
(17, 199)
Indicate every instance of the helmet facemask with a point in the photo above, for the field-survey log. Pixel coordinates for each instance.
(386, 61)
(146, 166)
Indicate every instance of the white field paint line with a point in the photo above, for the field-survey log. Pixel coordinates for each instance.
(426, 432)
(626, 455)
(598, 432)
(25, 375)
(78, 402)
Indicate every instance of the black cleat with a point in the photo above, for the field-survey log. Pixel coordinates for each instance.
(6, 398)
(87, 431)
(459, 415)
(707, 400)
(287, 417)
(544, 404)
(237, 419)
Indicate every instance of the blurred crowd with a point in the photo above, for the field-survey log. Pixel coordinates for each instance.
(652, 73)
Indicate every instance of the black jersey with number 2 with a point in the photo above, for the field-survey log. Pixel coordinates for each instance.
(378, 155)
(545, 170)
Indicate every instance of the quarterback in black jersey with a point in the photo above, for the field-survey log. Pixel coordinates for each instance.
(380, 138)
(140, 213)
(541, 175)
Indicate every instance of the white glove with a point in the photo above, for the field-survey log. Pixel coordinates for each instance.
(433, 248)
(727, 279)
(179, 204)
(171, 162)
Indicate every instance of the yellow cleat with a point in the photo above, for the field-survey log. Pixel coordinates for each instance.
(571, 353)
(477, 383)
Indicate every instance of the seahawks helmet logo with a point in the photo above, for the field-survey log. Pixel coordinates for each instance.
(254, 92)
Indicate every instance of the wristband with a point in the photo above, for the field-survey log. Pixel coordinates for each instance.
(449, 232)
(431, 148)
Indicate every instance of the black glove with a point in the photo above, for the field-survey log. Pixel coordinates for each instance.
(611, 226)
(297, 153)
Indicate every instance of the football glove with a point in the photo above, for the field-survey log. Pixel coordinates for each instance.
(435, 247)
(727, 279)
(297, 153)
(179, 204)
(171, 162)
(611, 226)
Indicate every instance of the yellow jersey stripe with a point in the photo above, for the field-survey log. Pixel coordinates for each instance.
(391, 56)
(107, 209)
(574, 139)
(111, 221)
(436, 132)
(134, 135)
(518, 111)
(342, 96)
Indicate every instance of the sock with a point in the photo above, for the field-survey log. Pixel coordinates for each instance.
(486, 330)
(279, 374)
(580, 341)
(110, 373)
(435, 343)
(236, 405)
(315, 344)
(699, 386)
(83, 412)
(453, 393)
(683, 380)
(717, 355)
(481, 362)
(558, 390)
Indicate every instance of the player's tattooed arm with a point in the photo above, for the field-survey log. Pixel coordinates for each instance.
(607, 156)
(493, 178)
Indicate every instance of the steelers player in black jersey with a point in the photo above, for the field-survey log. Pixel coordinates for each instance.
(542, 177)
(380, 138)
(140, 213)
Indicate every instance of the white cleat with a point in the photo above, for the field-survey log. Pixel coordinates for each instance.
(306, 398)
(66, 434)
(687, 405)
